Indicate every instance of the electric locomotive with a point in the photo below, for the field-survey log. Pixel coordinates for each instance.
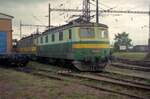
(84, 44)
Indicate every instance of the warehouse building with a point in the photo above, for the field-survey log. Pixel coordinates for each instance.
(5, 33)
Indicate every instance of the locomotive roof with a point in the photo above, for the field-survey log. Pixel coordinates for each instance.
(71, 24)
(30, 36)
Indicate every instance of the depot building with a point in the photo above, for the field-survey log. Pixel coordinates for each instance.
(5, 33)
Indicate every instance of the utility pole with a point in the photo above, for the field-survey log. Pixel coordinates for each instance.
(149, 31)
(49, 16)
(37, 30)
(149, 21)
(20, 29)
(97, 12)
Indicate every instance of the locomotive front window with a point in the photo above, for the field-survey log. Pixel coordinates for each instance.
(87, 33)
(104, 34)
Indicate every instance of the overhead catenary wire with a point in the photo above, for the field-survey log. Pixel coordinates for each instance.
(102, 4)
(37, 19)
(101, 10)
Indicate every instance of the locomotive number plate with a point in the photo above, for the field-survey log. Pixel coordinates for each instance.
(96, 51)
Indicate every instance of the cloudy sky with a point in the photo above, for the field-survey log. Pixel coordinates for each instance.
(35, 12)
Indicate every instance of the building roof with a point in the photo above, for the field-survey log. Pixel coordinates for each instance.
(5, 16)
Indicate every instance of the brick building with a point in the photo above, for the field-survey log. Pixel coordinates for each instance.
(5, 33)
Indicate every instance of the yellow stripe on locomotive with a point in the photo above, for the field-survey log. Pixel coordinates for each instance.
(27, 50)
(90, 46)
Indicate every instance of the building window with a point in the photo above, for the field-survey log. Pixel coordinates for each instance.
(46, 39)
(60, 36)
(70, 34)
(41, 40)
(53, 37)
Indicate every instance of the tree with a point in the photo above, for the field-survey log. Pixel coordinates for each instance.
(122, 39)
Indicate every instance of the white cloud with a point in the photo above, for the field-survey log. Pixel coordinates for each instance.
(34, 12)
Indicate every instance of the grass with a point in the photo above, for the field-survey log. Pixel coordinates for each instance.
(77, 95)
(16, 85)
(25, 85)
(131, 55)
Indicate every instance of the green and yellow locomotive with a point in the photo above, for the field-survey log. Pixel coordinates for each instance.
(85, 45)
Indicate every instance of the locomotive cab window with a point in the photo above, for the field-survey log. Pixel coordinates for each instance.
(104, 34)
(87, 33)
(70, 34)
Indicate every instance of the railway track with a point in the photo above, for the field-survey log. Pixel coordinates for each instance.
(126, 78)
(108, 80)
(62, 78)
(144, 85)
(143, 63)
(132, 67)
(90, 80)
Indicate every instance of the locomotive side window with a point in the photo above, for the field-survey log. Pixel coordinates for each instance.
(70, 34)
(87, 33)
(60, 36)
(37, 41)
(53, 37)
(46, 39)
(41, 40)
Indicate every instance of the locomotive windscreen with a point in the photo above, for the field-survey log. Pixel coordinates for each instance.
(87, 33)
